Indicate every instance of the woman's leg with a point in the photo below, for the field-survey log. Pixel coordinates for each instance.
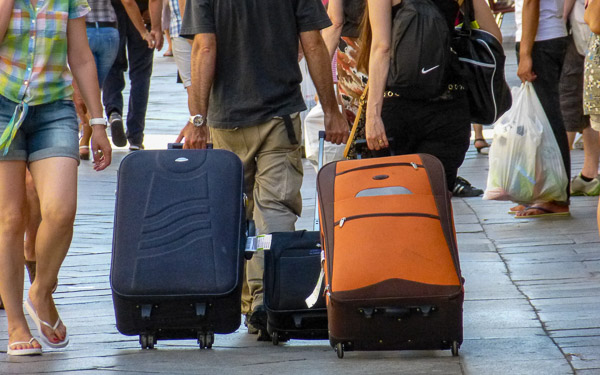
(12, 228)
(56, 183)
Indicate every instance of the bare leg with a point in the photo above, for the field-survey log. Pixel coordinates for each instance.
(56, 183)
(480, 142)
(33, 218)
(591, 152)
(571, 139)
(12, 228)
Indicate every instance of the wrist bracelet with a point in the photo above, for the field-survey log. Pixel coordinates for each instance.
(98, 121)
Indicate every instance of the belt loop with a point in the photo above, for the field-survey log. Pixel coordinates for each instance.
(289, 127)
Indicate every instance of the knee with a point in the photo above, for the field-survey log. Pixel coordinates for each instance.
(59, 216)
(12, 221)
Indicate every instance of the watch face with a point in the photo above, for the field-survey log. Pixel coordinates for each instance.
(198, 120)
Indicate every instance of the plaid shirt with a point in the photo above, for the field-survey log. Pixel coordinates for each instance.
(102, 11)
(175, 25)
(33, 54)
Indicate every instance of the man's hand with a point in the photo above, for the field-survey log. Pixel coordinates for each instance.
(195, 137)
(525, 70)
(158, 38)
(336, 127)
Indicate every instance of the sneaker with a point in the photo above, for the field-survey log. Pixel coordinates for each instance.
(581, 187)
(258, 320)
(116, 129)
(463, 188)
(136, 147)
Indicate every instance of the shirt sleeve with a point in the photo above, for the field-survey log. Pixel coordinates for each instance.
(78, 8)
(198, 18)
(311, 15)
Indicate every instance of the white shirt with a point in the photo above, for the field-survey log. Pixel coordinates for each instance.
(551, 24)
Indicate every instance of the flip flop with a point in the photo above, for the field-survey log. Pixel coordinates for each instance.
(29, 351)
(546, 212)
(38, 323)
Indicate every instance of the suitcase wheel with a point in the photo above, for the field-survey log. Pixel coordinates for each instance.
(147, 341)
(206, 340)
(339, 349)
(454, 348)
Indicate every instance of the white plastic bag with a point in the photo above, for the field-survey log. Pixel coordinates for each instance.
(313, 122)
(526, 165)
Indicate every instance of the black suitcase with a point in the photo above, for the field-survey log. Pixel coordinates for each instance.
(178, 245)
(293, 283)
(292, 276)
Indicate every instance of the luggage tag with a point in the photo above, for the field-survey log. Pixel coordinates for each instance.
(259, 243)
(314, 296)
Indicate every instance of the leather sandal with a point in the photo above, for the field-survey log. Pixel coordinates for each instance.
(482, 149)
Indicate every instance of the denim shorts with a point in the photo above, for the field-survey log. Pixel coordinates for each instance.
(49, 130)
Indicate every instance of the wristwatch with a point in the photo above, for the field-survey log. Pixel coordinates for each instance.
(197, 120)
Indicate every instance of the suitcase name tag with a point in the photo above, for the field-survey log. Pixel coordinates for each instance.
(259, 243)
(314, 296)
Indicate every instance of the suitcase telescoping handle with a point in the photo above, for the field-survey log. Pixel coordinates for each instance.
(179, 146)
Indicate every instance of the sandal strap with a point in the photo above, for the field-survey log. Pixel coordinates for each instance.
(54, 327)
(22, 342)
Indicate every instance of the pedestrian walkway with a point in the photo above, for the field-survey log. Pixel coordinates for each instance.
(532, 287)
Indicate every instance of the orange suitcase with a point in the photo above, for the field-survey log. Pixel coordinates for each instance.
(391, 260)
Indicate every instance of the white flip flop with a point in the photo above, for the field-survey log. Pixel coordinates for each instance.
(30, 351)
(38, 323)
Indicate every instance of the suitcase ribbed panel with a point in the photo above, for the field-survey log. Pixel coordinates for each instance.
(178, 224)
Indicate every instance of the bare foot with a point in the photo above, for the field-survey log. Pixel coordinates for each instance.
(46, 311)
(22, 335)
(544, 209)
(518, 208)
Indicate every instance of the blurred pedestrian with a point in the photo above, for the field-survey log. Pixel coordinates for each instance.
(140, 33)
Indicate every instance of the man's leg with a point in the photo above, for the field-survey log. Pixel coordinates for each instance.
(140, 71)
(112, 96)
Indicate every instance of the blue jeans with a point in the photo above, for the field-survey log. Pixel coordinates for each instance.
(139, 58)
(548, 57)
(104, 43)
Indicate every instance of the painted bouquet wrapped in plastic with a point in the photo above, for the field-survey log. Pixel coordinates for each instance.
(526, 165)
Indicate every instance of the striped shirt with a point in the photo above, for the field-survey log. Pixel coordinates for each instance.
(102, 11)
(33, 54)
(175, 25)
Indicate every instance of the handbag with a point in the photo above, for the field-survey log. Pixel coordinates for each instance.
(481, 65)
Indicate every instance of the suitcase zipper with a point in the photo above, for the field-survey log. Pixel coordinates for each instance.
(399, 214)
(383, 165)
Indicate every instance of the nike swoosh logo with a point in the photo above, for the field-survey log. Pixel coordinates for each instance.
(423, 71)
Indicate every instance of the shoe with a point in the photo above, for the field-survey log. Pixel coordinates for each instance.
(544, 212)
(116, 129)
(136, 147)
(38, 323)
(29, 351)
(168, 54)
(485, 149)
(463, 188)
(578, 142)
(251, 329)
(581, 187)
(84, 152)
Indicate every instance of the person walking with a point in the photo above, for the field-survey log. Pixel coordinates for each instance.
(541, 47)
(439, 126)
(140, 33)
(246, 86)
(38, 127)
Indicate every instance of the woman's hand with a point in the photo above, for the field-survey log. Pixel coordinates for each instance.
(375, 134)
(101, 149)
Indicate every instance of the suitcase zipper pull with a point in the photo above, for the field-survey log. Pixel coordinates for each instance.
(342, 221)
(414, 165)
(327, 293)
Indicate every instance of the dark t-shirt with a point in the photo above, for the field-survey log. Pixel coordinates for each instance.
(353, 15)
(257, 75)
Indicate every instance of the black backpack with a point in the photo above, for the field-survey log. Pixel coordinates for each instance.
(420, 51)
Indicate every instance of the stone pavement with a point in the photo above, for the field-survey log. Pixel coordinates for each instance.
(532, 287)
